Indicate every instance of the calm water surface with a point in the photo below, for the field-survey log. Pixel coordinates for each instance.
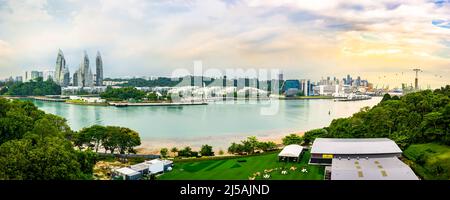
(215, 123)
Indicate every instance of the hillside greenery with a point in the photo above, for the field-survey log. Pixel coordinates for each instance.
(37, 87)
(430, 161)
(420, 117)
(37, 146)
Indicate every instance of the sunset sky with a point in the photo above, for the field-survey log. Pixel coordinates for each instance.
(379, 40)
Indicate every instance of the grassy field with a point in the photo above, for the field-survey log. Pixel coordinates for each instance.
(244, 167)
(429, 161)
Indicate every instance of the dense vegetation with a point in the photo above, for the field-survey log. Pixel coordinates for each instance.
(431, 161)
(250, 146)
(110, 138)
(120, 94)
(37, 146)
(292, 139)
(419, 117)
(36, 87)
(132, 94)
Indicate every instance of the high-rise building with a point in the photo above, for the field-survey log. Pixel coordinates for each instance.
(66, 77)
(35, 75)
(46, 75)
(99, 70)
(19, 79)
(84, 74)
(75, 78)
(61, 71)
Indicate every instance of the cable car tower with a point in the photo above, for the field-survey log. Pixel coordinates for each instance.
(416, 85)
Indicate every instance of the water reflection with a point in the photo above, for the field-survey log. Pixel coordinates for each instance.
(215, 119)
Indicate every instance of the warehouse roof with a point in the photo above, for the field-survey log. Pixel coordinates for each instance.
(388, 168)
(354, 146)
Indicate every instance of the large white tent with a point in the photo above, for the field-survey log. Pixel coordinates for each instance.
(292, 151)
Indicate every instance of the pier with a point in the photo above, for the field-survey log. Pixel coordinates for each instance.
(125, 104)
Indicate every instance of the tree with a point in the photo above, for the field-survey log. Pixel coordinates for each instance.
(313, 134)
(121, 138)
(120, 94)
(36, 87)
(206, 150)
(174, 150)
(91, 136)
(164, 152)
(292, 139)
(386, 97)
(186, 152)
(221, 152)
(250, 145)
(267, 146)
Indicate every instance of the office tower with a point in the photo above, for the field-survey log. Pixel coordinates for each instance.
(99, 70)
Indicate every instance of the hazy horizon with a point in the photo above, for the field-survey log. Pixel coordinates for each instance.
(380, 41)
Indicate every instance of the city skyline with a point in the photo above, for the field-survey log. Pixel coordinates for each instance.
(383, 43)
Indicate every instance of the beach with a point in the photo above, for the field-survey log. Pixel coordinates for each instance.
(220, 142)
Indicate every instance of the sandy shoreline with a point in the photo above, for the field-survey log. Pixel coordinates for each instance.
(153, 146)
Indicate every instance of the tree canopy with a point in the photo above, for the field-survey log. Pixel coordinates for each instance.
(37, 146)
(419, 117)
(37, 87)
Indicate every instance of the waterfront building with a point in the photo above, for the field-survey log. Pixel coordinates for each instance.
(307, 87)
(99, 70)
(360, 159)
(290, 87)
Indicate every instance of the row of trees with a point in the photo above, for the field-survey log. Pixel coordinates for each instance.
(206, 150)
(419, 117)
(120, 94)
(250, 146)
(109, 138)
(36, 87)
(131, 93)
(36, 146)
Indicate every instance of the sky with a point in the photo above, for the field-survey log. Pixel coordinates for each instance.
(378, 40)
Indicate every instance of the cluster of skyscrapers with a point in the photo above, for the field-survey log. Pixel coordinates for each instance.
(83, 77)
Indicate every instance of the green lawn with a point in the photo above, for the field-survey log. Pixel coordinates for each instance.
(430, 161)
(232, 169)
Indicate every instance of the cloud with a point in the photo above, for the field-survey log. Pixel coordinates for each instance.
(303, 38)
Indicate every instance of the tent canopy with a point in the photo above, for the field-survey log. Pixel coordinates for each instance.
(293, 150)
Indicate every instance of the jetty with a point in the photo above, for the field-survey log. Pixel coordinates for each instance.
(125, 104)
(48, 99)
